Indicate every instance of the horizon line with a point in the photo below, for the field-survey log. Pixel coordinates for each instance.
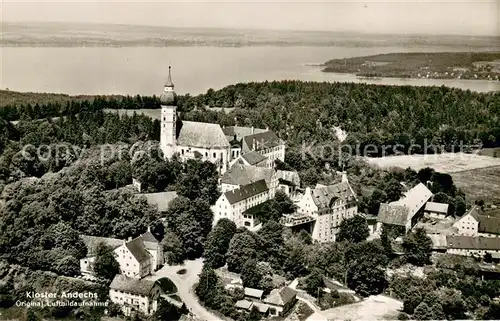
(252, 29)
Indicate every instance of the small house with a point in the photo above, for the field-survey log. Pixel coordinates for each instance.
(436, 210)
(280, 301)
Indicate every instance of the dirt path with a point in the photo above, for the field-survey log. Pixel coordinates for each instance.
(184, 284)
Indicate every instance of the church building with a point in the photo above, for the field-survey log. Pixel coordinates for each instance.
(205, 141)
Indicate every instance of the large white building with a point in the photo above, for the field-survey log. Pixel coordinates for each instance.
(209, 142)
(476, 224)
(236, 203)
(327, 206)
(137, 257)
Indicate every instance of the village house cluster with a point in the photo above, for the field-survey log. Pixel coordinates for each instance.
(245, 158)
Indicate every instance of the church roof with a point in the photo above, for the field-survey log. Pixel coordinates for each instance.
(203, 135)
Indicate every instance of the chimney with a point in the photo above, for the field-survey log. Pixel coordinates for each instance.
(129, 239)
(252, 130)
(253, 142)
(149, 229)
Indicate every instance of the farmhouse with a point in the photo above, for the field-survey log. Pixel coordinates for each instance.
(406, 211)
(280, 301)
(134, 295)
(476, 224)
(473, 246)
(436, 210)
(91, 242)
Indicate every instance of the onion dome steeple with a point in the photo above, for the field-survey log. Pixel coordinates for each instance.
(168, 97)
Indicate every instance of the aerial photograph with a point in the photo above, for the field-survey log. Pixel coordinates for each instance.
(237, 160)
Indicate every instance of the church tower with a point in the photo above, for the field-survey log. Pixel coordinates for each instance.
(168, 101)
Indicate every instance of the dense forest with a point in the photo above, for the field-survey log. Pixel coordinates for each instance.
(302, 112)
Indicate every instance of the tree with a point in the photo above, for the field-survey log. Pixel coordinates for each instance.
(32, 316)
(353, 230)
(460, 206)
(417, 247)
(105, 265)
(173, 248)
(199, 180)
(441, 198)
(437, 312)
(425, 174)
(412, 299)
(393, 191)
(452, 302)
(314, 282)
(254, 315)
(271, 237)
(217, 243)
(250, 275)
(167, 311)
(366, 263)
(366, 278)
(423, 312)
(278, 206)
(191, 222)
(242, 247)
(209, 289)
(68, 266)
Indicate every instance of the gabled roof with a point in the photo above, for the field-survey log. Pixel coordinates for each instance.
(243, 304)
(254, 293)
(253, 157)
(240, 175)
(437, 207)
(241, 132)
(140, 287)
(161, 200)
(392, 214)
(91, 243)
(472, 243)
(138, 250)
(149, 237)
(323, 196)
(204, 135)
(246, 191)
(281, 296)
(488, 224)
(415, 198)
(262, 141)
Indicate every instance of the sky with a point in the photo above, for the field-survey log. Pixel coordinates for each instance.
(473, 17)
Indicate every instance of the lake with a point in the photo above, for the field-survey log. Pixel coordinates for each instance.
(142, 70)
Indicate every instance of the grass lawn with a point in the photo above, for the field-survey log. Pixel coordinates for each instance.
(481, 183)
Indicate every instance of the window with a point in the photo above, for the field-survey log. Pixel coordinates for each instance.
(215, 155)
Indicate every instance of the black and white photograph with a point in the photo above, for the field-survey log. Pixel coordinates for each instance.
(249, 160)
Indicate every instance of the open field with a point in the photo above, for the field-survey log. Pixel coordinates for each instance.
(444, 163)
(482, 183)
(377, 307)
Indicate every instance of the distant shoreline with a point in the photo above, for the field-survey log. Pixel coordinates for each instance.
(421, 65)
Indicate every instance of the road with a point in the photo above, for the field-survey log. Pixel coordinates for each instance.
(184, 284)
